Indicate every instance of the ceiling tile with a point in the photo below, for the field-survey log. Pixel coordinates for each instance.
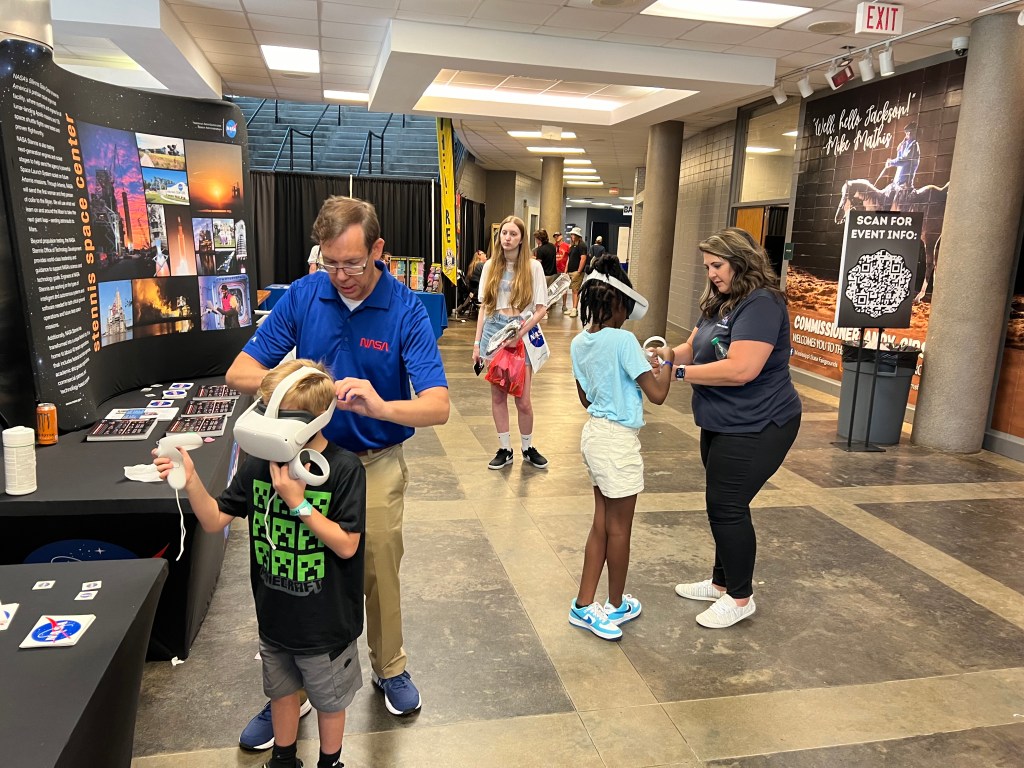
(220, 46)
(693, 45)
(615, 37)
(582, 34)
(462, 8)
(347, 69)
(228, 34)
(350, 46)
(354, 59)
(252, 79)
(431, 18)
(282, 38)
(289, 9)
(655, 26)
(513, 11)
(216, 57)
(197, 15)
(355, 14)
(589, 18)
(363, 32)
(230, 70)
(280, 24)
(484, 79)
(788, 39)
(387, 5)
(226, 5)
(729, 34)
(346, 82)
(502, 26)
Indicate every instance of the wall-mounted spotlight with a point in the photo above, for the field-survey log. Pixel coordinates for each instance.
(866, 67)
(839, 74)
(804, 84)
(886, 63)
(779, 94)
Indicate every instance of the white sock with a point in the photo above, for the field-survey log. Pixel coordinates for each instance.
(505, 440)
(527, 442)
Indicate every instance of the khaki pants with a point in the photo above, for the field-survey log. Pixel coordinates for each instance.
(386, 479)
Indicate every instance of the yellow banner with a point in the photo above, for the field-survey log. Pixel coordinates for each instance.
(446, 164)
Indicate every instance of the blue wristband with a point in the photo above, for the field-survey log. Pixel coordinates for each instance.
(305, 509)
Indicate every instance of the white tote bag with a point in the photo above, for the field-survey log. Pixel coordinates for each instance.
(537, 348)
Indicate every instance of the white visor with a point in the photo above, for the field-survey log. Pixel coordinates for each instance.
(640, 303)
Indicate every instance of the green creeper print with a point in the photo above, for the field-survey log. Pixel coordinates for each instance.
(297, 555)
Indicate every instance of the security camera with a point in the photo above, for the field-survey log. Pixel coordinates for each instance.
(960, 45)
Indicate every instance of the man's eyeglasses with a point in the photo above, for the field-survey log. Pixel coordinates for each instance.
(348, 269)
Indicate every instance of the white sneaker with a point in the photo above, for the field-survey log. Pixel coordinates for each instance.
(573, 313)
(724, 613)
(701, 590)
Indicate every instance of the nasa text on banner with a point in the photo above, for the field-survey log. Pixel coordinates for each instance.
(446, 165)
(877, 271)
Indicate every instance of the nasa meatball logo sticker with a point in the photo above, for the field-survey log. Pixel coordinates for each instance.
(57, 630)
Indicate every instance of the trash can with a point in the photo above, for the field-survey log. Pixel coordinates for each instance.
(892, 390)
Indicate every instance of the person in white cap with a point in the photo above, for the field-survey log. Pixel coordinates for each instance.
(577, 262)
(597, 250)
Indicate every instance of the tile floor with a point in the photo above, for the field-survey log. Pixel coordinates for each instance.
(889, 631)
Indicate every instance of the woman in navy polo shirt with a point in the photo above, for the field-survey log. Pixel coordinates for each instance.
(745, 405)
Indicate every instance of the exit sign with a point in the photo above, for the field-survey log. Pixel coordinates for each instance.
(879, 19)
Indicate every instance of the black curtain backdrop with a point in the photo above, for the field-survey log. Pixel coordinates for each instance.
(285, 205)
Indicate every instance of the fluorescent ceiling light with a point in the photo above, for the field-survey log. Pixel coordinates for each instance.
(746, 12)
(579, 171)
(577, 161)
(529, 98)
(593, 177)
(585, 183)
(557, 150)
(629, 199)
(286, 59)
(347, 96)
(537, 134)
(791, 134)
(762, 150)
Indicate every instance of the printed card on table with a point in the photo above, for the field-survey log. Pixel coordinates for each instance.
(51, 631)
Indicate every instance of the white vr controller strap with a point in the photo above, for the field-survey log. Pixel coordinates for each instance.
(269, 433)
(639, 302)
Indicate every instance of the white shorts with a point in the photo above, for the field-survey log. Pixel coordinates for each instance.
(611, 454)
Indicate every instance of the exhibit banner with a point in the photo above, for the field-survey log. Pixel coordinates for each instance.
(884, 146)
(1008, 410)
(129, 220)
(876, 274)
(446, 166)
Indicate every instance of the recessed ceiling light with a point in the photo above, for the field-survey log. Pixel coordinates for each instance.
(533, 99)
(537, 134)
(762, 150)
(347, 96)
(579, 171)
(557, 150)
(577, 161)
(746, 12)
(285, 59)
(584, 183)
(572, 176)
(791, 134)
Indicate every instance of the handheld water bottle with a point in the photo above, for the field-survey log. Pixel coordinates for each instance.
(721, 348)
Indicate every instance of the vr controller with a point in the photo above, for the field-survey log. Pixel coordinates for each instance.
(167, 447)
(653, 343)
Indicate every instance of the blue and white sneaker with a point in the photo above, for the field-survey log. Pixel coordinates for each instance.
(628, 611)
(401, 696)
(593, 617)
(259, 733)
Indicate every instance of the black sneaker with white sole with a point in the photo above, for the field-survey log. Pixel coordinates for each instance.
(501, 459)
(533, 456)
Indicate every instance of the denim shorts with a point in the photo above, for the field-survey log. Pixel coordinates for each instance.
(330, 679)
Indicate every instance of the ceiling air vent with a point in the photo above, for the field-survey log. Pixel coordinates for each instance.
(830, 27)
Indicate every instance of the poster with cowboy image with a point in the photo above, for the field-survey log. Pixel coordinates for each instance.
(886, 146)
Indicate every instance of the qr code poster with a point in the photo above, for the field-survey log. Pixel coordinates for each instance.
(877, 272)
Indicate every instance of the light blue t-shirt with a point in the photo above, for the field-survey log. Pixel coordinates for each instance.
(607, 364)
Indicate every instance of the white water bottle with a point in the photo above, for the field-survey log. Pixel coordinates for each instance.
(19, 460)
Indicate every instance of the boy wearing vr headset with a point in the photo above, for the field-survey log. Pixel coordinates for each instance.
(306, 557)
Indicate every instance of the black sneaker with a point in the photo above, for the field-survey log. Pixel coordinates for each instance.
(533, 456)
(501, 459)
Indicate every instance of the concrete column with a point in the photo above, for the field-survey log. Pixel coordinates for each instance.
(651, 269)
(979, 241)
(552, 196)
(27, 19)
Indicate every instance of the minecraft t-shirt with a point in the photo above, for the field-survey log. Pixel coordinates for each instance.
(308, 599)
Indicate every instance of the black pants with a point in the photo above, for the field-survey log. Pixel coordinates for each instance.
(737, 466)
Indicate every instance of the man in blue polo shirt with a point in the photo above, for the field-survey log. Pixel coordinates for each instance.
(375, 336)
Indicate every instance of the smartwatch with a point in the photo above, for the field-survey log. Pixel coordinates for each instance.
(680, 371)
(305, 509)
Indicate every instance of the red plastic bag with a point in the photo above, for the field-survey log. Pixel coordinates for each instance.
(508, 369)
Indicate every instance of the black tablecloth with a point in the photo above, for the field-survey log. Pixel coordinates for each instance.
(85, 509)
(76, 706)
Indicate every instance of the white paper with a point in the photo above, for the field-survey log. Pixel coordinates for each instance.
(88, 585)
(85, 595)
(7, 611)
(44, 585)
(160, 414)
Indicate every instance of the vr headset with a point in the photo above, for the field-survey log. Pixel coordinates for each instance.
(636, 305)
(268, 432)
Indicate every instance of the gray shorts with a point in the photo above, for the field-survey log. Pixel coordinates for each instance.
(330, 684)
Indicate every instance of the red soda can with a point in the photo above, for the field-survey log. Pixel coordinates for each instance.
(46, 424)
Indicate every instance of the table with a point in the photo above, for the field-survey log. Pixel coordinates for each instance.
(437, 309)
(85, 509)
(76, 706)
